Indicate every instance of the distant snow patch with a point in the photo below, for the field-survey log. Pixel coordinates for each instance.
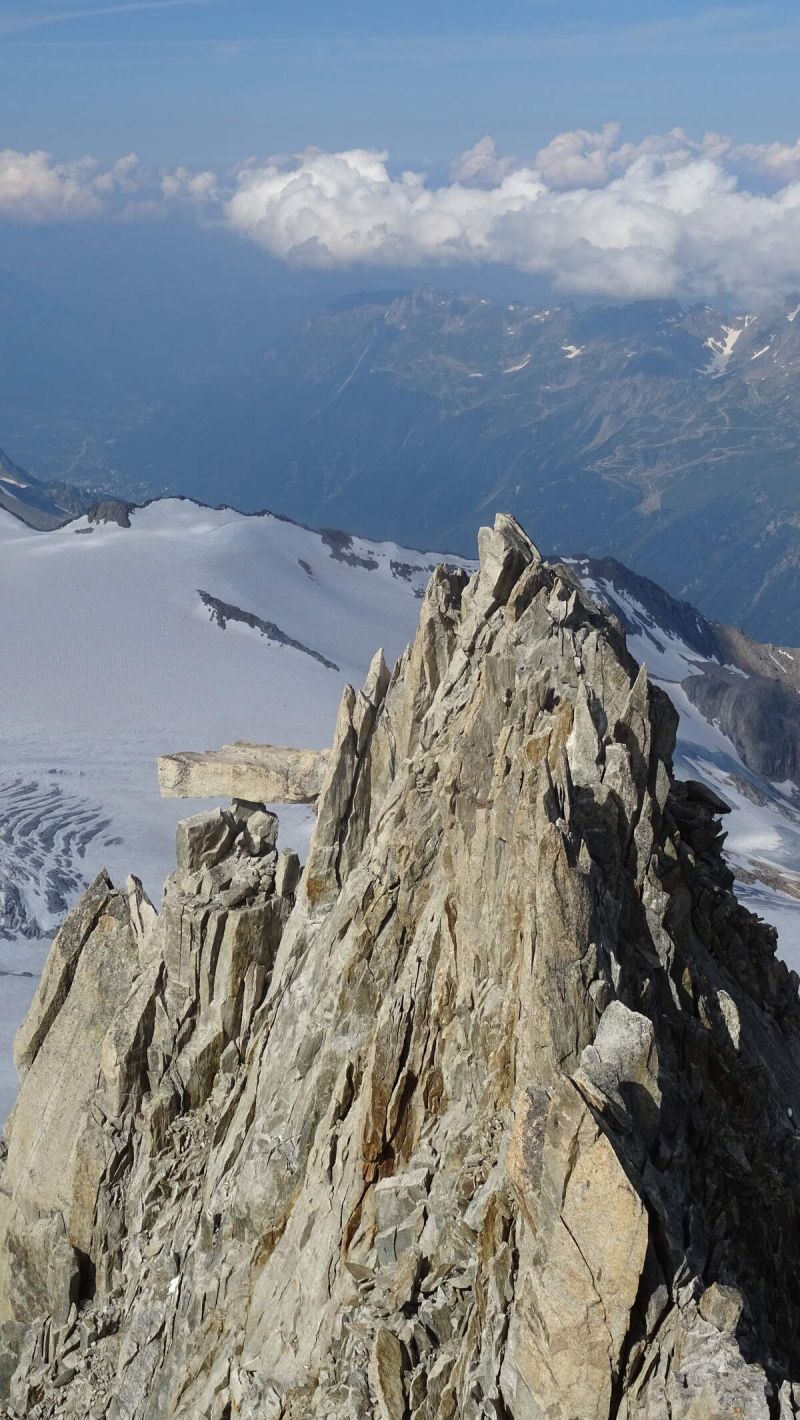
(721, 350)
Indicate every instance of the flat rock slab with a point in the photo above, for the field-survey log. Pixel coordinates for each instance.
(258, 773)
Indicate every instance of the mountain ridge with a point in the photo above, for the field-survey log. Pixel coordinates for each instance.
(136, 588)
(638, 431)
(490, 1112)
(28, 500)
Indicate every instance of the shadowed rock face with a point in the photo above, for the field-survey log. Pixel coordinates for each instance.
(30, 501)
(112, 510)
(492, 1115)
(748, 689)
(761, 717)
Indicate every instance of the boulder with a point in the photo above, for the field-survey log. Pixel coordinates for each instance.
(256, 773)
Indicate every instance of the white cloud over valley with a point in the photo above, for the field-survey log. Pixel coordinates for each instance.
(595, 216)
(33, 188)
(592, 213)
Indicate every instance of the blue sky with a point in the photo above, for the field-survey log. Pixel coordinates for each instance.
(212, 81)
(619, 149)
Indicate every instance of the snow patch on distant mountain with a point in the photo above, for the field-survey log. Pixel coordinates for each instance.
(722, 349)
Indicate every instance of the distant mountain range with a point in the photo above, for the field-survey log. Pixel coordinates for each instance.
(666, 437)
(39, 505)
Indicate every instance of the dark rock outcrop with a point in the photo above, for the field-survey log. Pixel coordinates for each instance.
(223, 612)
(761, 717)
(112, 510)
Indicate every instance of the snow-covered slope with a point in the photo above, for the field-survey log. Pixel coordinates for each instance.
(175, 627)
(113, 653)
(679, 646)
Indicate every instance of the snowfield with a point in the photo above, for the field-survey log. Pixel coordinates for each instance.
(111, 657)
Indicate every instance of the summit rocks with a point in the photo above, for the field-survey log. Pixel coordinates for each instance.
(491, 1114)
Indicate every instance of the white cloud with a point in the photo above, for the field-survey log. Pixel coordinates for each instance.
(578, 158)
(34, 188)
(780, 161)
(582, 158)
(183, 185)
(332, 208)
(667, 216)
(124, 176)
(593, 214)
(481, 165)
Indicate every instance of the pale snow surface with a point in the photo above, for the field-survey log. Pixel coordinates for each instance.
(111, 659)
(522, 365)
(20, 965)
(722, 349)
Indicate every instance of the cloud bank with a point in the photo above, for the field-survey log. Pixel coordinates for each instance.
(592, 213)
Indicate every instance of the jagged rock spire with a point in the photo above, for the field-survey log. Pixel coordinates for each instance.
(496, 1120)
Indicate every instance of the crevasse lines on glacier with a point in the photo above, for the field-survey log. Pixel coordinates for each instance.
(45, 832)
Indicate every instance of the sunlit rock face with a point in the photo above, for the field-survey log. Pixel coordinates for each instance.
(490, 1113)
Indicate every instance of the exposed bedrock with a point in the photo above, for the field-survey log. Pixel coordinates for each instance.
(761, 717)
(491, 1115)
(258, 773)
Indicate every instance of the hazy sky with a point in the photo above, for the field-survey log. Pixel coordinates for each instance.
(619, 149)
(213, 81)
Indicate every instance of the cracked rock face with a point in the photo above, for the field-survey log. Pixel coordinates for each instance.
(491, 1114)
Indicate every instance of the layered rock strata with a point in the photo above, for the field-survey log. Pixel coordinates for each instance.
(491, 1114)
(257, 773)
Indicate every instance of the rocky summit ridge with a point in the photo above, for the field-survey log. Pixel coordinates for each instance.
(490, 1112)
